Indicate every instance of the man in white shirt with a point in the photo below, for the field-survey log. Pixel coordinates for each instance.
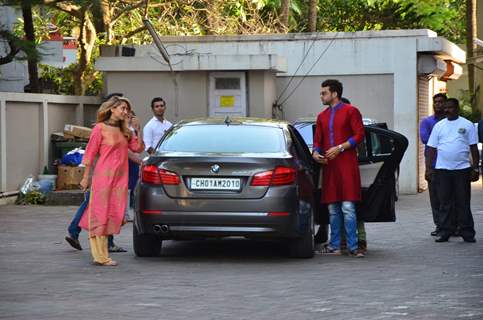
(157, 126)
(454, 139)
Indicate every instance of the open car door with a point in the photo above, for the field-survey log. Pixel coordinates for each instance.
(379, 157)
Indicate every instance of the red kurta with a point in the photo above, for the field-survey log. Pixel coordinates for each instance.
(341, 178)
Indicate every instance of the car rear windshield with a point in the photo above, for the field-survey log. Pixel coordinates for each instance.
(224, 139)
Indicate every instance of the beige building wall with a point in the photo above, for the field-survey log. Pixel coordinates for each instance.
(193, 90)
(261, 93)
(189, 101)
(23, 148)
(372, 94)
(26, 124)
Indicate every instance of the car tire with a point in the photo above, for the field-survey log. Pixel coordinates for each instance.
(145, 245)
(304, 246)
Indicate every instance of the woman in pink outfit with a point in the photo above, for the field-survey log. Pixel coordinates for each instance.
(110, 140)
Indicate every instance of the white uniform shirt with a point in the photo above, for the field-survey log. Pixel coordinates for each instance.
(153, 131)
(452, 139)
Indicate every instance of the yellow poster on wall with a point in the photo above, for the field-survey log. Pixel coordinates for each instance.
(227, 101)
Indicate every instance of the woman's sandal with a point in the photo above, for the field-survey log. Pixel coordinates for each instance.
(110, 263)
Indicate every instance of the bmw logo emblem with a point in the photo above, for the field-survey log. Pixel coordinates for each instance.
(215, 168)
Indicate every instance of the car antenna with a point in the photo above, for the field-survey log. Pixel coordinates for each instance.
(227, 120)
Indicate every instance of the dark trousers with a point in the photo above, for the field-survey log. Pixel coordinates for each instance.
(454, 194)
(434, 201)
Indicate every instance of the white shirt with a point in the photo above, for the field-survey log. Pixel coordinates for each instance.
(452, 139)
(154, 131)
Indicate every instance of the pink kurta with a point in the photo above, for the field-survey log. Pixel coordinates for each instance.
(108, 197)
(341, 179)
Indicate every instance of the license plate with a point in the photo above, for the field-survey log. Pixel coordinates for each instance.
(215, 184)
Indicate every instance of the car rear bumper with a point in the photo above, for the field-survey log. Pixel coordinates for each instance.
(277, 215)
(178, 224)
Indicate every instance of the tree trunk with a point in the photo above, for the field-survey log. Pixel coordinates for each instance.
(86, 40)
(106, 19)
(28, 28)
(284, 14)
(312, 16)
(471, 46)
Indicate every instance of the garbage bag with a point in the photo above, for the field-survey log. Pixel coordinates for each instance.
(73, 158)
(27, 185)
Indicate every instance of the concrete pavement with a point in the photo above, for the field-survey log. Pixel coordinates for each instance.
(406, 275)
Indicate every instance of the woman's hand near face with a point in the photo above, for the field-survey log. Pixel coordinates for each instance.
(135, 123)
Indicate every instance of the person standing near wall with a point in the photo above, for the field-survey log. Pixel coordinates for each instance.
(157, 126)
(425, 128)
(110, 140)
(134, 161)
(339, 129)
(73, 229)
(454, 139)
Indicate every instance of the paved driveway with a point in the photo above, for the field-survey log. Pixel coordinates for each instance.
(406, 275)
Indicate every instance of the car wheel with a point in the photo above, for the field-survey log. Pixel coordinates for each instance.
(145, 245)
(303, 247)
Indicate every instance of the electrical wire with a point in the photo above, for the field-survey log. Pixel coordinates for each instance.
(295, 73)
(313, 65)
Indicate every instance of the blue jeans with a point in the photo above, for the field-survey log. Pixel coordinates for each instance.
(343, 213)
(74, 229)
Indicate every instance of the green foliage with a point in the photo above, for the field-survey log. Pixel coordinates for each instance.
(467, 101)
(31, 197)
(446, 17)
(61, 80)
(17, 43)
(203, 17)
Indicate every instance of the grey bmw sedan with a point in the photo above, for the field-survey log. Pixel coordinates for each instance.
(213, 177)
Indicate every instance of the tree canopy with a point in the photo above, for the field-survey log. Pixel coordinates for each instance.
(98, 22)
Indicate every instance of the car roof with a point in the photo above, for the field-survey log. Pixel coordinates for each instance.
(366, 121)
(234, 121)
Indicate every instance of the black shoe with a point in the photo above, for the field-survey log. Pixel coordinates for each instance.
(442, 239)
(471, 240)
(434, 233)
(74, 243)
(116, 248)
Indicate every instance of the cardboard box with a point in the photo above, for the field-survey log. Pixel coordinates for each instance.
(77, 131)
(69, 177)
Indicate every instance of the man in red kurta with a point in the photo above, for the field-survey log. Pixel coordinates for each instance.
(338, 130)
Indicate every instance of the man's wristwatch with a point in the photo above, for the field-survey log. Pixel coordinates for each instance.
(341, 148)
(476, 169)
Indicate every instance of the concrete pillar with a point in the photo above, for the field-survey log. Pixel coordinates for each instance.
(3, 145)
(44, 136)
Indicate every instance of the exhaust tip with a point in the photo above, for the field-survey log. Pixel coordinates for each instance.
(161, 228)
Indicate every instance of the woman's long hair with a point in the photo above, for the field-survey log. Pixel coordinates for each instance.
(104, 113)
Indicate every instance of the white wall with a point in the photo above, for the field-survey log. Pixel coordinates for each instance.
(379, 70)
(26, 122)
(372, 94)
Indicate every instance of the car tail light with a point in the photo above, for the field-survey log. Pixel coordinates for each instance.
(278, 214)
(262, 178)
(278, 177)
(152, 174)
(169, 177)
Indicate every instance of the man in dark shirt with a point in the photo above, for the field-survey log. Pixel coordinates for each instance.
(425, 129)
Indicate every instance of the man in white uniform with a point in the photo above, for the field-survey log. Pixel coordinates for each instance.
(454, 139)
(157, 126)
